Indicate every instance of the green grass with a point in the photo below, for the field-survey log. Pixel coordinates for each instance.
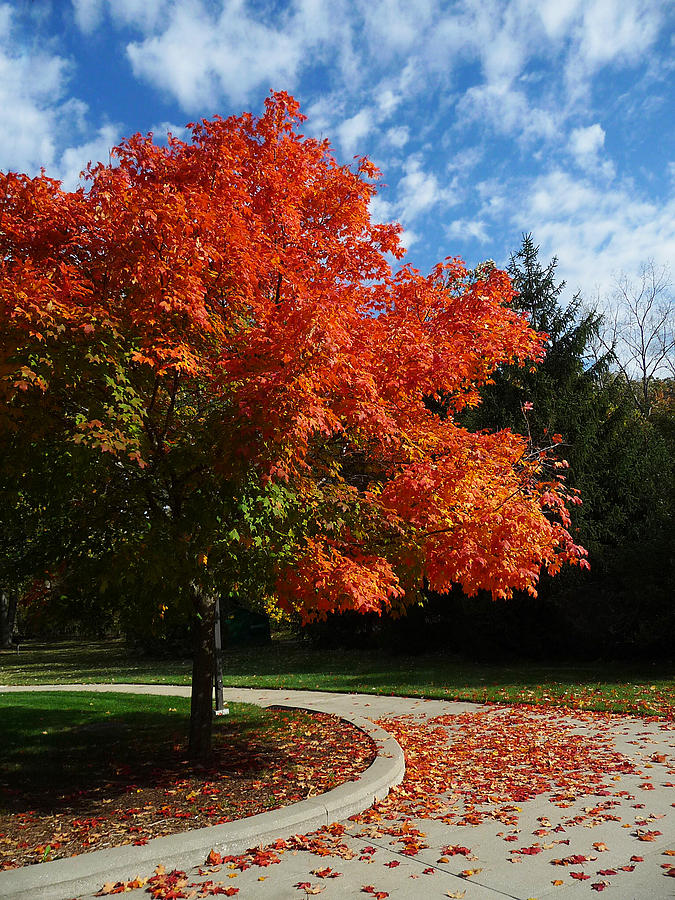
(60, 742)
(641, 688)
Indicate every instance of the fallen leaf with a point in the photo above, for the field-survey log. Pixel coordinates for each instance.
(468, 873)
(326, 873)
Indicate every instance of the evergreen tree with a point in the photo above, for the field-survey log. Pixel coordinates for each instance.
(619, 462)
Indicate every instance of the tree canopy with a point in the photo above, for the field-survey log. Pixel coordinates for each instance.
(214, 324)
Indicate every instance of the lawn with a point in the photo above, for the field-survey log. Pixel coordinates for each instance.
(644, 689)
(81, 771)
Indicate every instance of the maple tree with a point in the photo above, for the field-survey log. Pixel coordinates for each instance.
(217, 321)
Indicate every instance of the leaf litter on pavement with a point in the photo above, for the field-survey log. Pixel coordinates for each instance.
(473, 768)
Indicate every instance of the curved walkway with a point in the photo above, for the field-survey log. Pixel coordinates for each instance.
(615, 839)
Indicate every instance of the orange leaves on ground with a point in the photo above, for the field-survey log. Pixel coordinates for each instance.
(121, 887)
(326, 873)
(576, 860)
(451, 850)
(245, 777)
(532, 752)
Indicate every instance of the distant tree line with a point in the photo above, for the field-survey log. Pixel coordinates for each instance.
(606, 386)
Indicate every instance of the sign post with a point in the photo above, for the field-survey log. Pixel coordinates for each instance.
(221, 709)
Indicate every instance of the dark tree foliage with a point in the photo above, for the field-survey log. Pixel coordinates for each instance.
(623, 468)
(565, 380)
(618, 461)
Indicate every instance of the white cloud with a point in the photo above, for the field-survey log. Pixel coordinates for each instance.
(408, 237)
(595, 232)
(468, 228)
(162, 130)
(141, 14)
(199, 58)
(586, 145)
(505, 57)
(381, 210)
(418, 191)
(387, 101)
(322, 114)
(610, 33)
(88, 14)
(611, 30)
(466, 159)
(352, 131)
(39, 122)
(199, 51)
(557, 15)
(32, 102)
(74, 159)
(507, 110)
(392, 27)
(398, 136)
(587, 142)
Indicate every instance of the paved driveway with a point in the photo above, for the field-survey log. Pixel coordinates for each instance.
(497, 802)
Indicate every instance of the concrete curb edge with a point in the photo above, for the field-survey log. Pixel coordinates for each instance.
(68, 878)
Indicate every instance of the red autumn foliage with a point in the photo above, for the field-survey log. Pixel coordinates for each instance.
(240, 279)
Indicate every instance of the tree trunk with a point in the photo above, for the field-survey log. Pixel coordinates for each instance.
(201, 707)
(8, 605)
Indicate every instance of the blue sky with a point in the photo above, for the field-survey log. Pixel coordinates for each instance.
(488, 118)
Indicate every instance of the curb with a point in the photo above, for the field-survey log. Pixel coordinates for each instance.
(84, 874)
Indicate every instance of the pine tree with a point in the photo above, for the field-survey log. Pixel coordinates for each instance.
(619, 463)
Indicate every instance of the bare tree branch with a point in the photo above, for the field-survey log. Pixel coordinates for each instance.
(639, 331)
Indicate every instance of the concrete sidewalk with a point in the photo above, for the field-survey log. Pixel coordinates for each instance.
(369, 857)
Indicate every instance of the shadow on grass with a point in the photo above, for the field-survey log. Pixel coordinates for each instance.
(65, 759)
(292, 664)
